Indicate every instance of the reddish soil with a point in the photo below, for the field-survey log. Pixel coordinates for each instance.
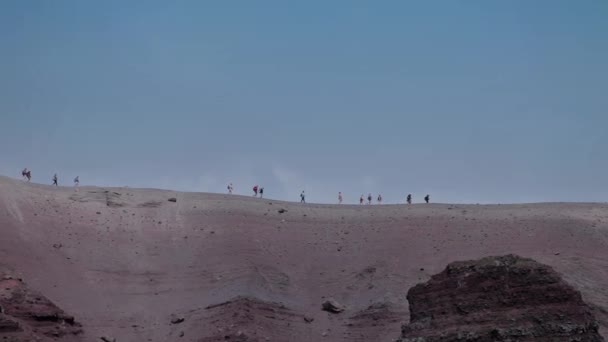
(126, 262)
(26, 315)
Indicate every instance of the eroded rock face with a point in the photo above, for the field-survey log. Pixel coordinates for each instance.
(506, 298)
(27, 316)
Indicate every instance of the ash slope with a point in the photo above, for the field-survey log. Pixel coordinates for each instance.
(125, 262)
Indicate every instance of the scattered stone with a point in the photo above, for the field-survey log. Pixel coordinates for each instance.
(107, 339)
(57, 245)
(177, 320)
(98, 213)
(181, 334)
(281, 211)
(332, 306)
(172, 199)
(308, 319)
(8, 325)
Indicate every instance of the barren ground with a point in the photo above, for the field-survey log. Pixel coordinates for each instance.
(126, 261)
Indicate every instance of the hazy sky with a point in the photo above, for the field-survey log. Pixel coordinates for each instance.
(470, 101)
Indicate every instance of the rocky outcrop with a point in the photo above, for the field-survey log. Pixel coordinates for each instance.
(249, 319)
(506, 298)
(27, 316)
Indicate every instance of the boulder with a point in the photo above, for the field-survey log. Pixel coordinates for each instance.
(332, 306)
(503, 298)
(177, 320)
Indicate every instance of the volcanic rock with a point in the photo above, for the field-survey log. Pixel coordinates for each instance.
(332, 306)
(177, 320)
(8, 325)
(504, 298)
(28, 316)
(249, 319)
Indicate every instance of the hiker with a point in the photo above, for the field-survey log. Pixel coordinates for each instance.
(230, 188)
(361, 199)
(369, 198)
(255, 191)
(76, 181)
(28, 175)
(409, 199)
(261, 192)
(55, 180)
(24, 173)
(339, 197)
(379, 199)
(427, 198)
(302, 197)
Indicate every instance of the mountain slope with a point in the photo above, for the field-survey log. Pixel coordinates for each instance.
(126, 262)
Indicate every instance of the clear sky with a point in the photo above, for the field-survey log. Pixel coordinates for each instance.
(471, 101)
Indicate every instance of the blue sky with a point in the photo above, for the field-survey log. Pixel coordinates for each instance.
(470, 101)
